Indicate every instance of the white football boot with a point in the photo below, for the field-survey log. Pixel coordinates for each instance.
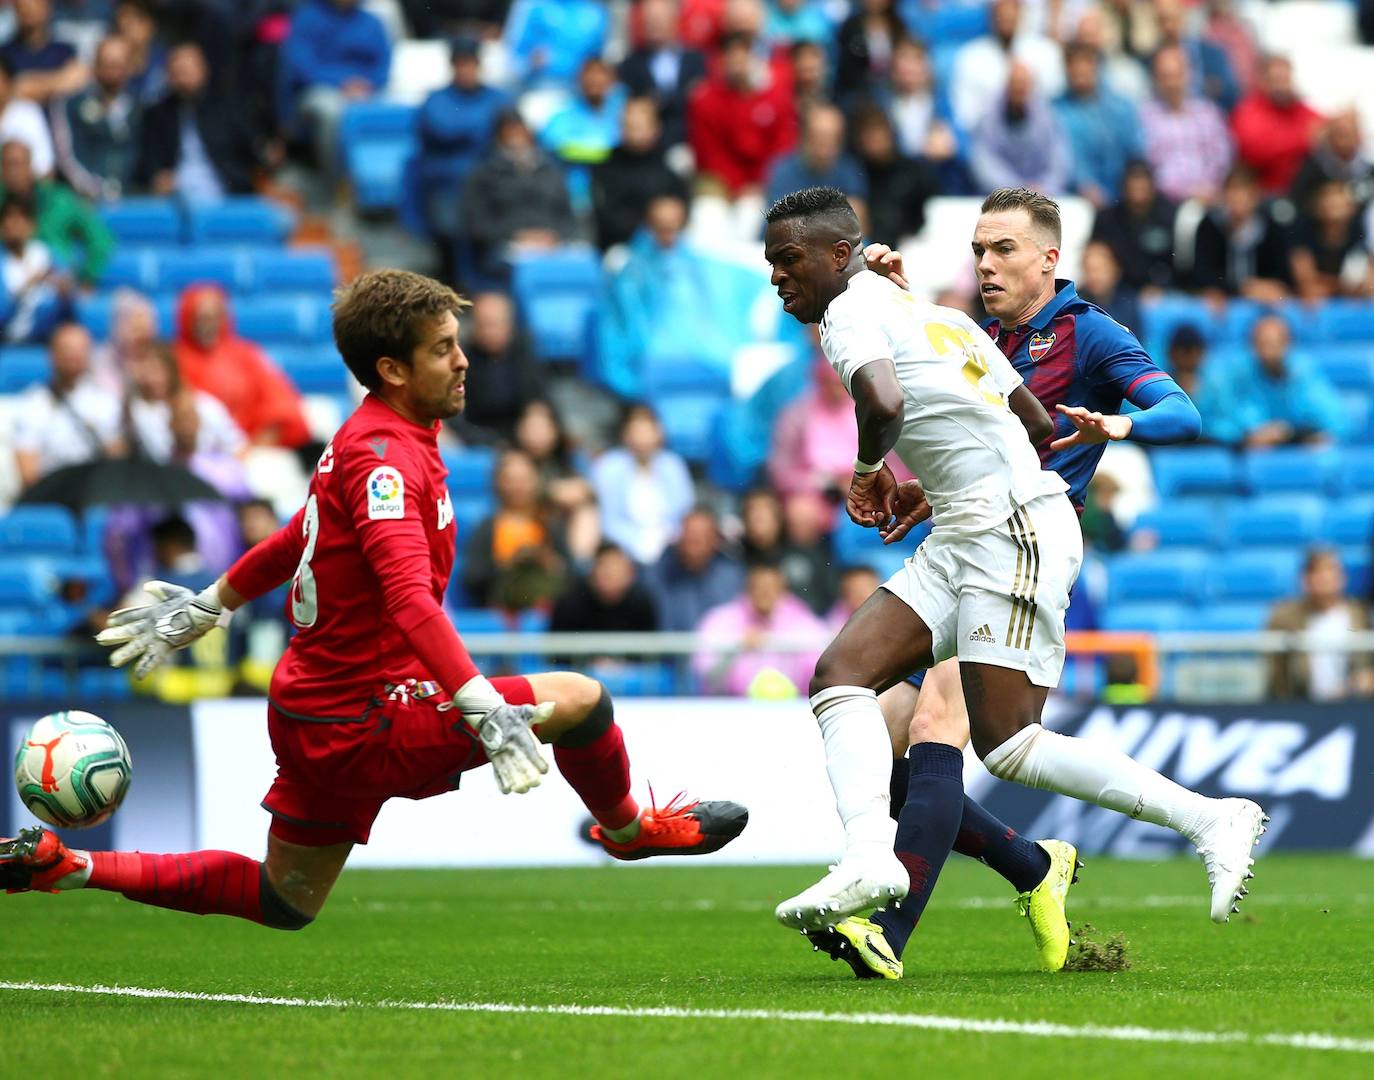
(1225, 848)
(864, 878)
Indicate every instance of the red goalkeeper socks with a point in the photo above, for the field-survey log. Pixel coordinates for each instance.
(600, 774)
(201, 882)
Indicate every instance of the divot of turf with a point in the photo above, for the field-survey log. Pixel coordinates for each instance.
(1089, 954)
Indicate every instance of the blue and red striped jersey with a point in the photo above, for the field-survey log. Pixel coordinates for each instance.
(1073, 353)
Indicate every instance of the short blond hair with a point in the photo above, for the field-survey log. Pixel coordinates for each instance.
(1043, 211)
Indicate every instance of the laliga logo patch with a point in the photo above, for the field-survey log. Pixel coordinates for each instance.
(1039, 345)
(386, 494)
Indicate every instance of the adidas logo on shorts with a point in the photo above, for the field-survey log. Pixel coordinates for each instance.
(983, 635)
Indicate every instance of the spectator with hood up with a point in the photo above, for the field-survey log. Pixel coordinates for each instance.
(214, 359)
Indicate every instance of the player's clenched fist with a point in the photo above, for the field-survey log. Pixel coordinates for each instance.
(871, 497)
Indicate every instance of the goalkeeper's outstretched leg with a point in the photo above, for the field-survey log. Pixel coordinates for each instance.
(334, 778)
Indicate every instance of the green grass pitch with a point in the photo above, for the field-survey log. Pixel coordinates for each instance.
(1299, 960)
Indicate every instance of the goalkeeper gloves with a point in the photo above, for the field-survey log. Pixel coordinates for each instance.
(505, 732)
(150, 633)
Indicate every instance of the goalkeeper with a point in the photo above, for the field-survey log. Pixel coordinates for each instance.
(376, 696)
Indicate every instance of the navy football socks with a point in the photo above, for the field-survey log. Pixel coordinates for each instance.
(1022, 862)
(926, 829)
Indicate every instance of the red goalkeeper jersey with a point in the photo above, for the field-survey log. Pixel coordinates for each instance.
(369, 557)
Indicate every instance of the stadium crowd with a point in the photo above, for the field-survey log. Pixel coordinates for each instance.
(653, 131)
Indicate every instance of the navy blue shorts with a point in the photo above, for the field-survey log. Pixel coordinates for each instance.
(918, 679)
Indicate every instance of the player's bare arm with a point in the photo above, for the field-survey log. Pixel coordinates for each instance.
(1032, 414)
(878, 408)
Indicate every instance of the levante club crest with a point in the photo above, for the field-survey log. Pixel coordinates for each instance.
(1039, 345)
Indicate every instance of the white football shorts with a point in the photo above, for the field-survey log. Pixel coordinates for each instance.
(999, 596)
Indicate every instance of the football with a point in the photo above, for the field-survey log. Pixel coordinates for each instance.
(72, 769)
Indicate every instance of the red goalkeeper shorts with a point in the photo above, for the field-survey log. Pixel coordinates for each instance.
(333, 776)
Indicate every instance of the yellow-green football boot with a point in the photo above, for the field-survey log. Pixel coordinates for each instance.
(1046, 905)
(861, 945)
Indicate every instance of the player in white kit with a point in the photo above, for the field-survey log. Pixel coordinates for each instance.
(990, 585)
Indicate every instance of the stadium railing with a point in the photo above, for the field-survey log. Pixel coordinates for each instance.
(1177, 666)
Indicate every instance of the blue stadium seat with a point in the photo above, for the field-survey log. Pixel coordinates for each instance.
(1289, 468)
(1355, 473)
(1359, 414)
(1149, 617)
(1349, 367)
(282, 320)
(1237, 319)
(1156, 577)
(481, 621)
(1355, 559)
(21, 366)
(1255, 575)
(683, 372)
(29, 621)
(314, 370)
(948, 24)
(1227, 618)
(688, 419)
(645, 679)
(469, 470)
(376, 140)
(131, 267)
(469, 511)
(244, 220)
(1275, 521)
(200, 266)
(1350, 521)
(532, 621)
(294, 271)
(143, 221)
(22, 678)
(1346, 320)
(39, 530)
(557, 292)
(1162, 317)
(1181, 523)
(1195, 470)
(22, 587)
(102, 684)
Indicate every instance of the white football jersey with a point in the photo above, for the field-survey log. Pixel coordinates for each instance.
(959, 437)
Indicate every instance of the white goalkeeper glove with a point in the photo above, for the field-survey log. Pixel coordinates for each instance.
(152, 632)
(504, 729)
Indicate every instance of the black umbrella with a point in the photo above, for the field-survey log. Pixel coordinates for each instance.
(120, 481)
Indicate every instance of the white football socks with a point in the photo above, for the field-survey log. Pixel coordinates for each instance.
(858, 757)
(1100, 774)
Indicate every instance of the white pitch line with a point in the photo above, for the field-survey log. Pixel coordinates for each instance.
(1032, 1028)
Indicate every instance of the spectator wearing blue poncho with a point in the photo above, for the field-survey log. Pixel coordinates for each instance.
(671, 303)
(1102, 127)
(790, 21)
(1275, 398)
(335, 53)
(456, 125)
(549, 39)
(585, 131)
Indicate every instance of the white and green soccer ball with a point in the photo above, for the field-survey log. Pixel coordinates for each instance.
(72, 769)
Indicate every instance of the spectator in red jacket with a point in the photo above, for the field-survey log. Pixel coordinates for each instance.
(217, 361)
(740, 120)
(1274, 129)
